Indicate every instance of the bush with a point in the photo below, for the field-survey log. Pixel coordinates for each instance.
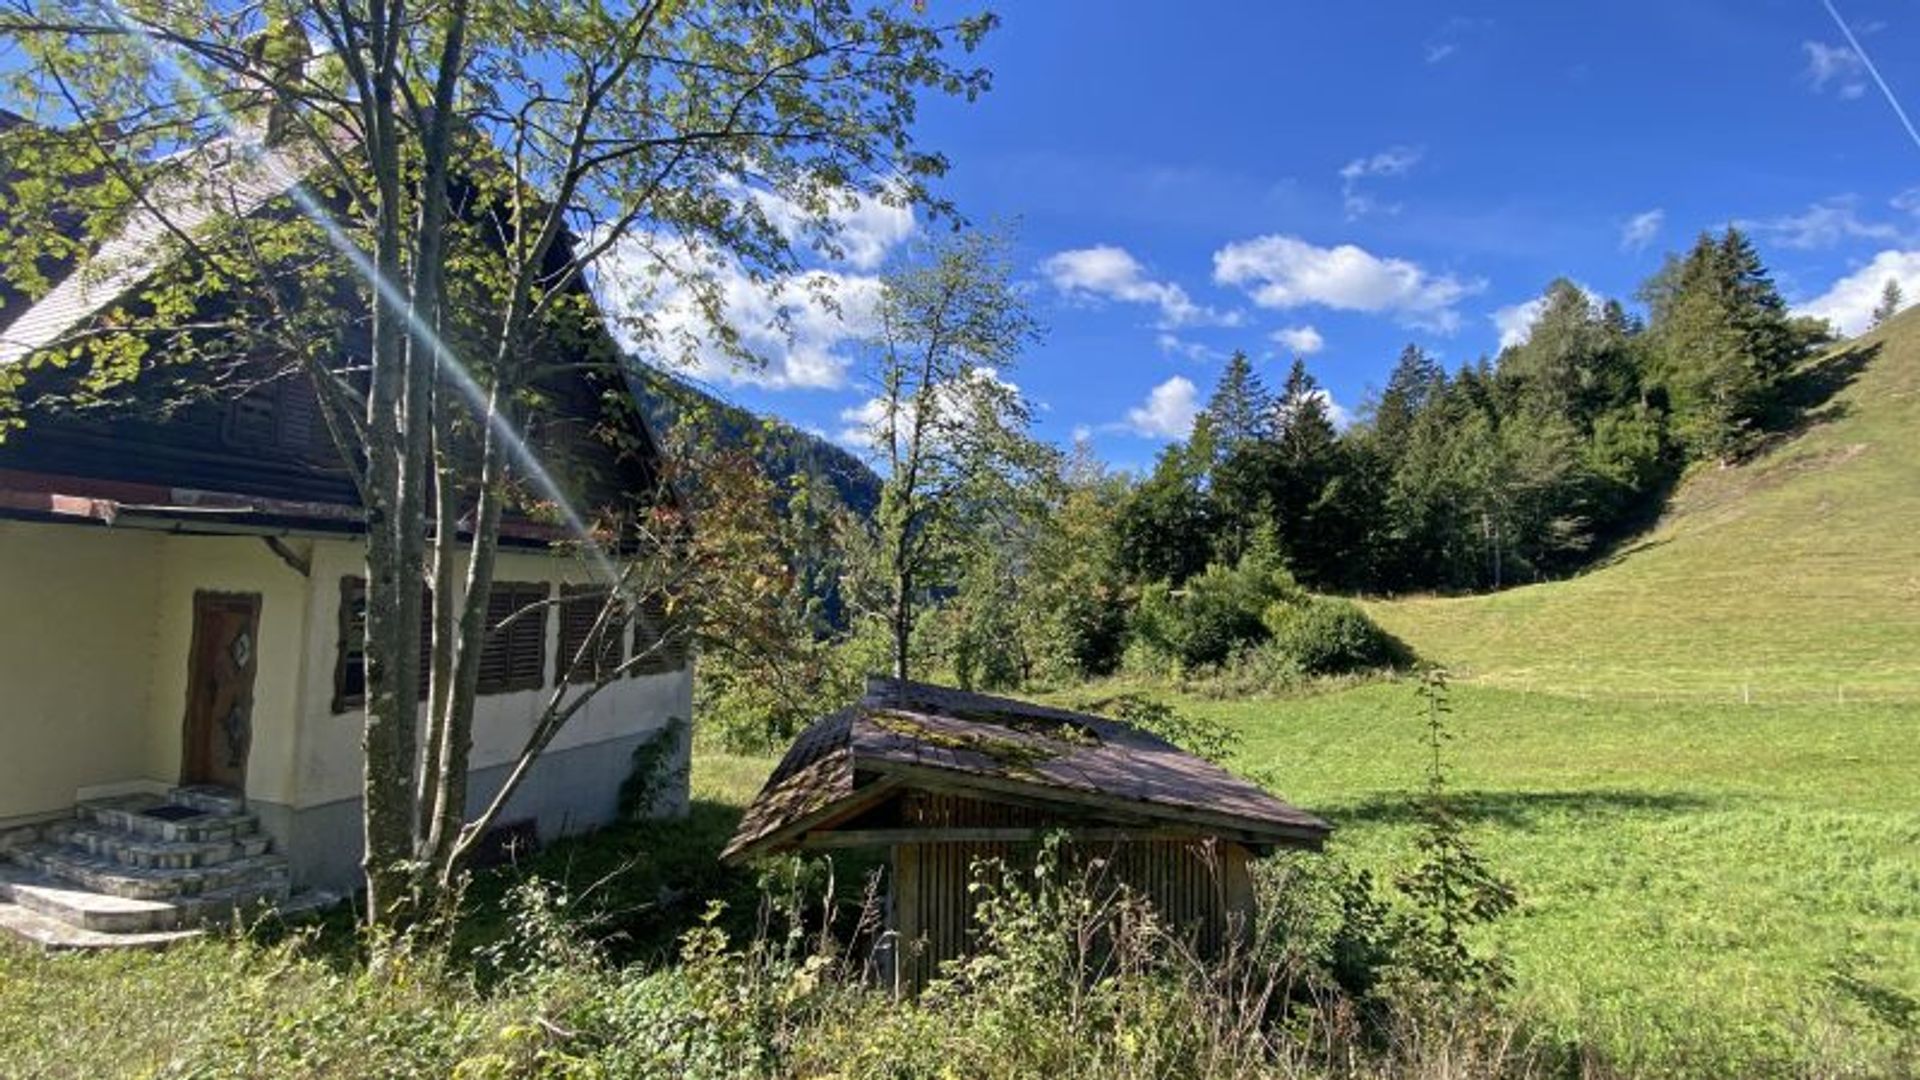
(1325, 635)
(1216, 614)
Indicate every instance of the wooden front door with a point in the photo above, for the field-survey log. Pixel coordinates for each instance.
(220, 668)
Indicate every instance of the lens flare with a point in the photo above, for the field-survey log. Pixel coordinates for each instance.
(458, 374)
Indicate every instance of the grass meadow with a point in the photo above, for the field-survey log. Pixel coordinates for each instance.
(1701, 885)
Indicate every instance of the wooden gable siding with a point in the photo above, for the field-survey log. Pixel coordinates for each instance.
(269, 442)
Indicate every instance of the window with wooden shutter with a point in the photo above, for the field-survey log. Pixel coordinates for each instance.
(350, 656)
(659, 638)
(515, 655)
(350, 660)
(580, 608)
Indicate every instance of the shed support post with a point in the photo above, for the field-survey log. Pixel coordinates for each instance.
(906, 919)
(1236, 880)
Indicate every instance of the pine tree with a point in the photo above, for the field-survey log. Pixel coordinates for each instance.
(1302, 424)
(1308, 463)
(1890, 302)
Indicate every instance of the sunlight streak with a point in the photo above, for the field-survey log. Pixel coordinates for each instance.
(445, 360)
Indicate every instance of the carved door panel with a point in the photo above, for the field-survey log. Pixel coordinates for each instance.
(224, 657)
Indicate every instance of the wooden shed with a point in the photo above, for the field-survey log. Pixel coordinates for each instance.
(940, 778)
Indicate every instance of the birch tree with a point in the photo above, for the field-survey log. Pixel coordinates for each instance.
(948, 427)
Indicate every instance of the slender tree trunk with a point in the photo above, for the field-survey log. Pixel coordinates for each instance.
(456, 744)
(902, 620)
(393, 619)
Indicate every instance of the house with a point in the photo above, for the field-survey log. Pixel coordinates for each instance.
(180, 633)
(940, 778)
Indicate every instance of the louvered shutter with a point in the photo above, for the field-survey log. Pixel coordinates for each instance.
(658, 637)
(580, 607)
(350, 656)
(514, 657)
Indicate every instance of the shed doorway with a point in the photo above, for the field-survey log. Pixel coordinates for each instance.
(218, 730)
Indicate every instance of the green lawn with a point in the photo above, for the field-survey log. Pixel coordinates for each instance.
(1700, 761)
(1705, 882)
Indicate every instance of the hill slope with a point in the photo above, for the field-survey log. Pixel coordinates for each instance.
(1793, 576)
(783, 450)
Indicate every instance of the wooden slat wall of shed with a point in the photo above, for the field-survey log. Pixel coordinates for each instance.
(1200, 890)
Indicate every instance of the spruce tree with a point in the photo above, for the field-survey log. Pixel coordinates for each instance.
(1890, 302)
(1721, 345)
(1307, 464)
(1416, 380)
(1240, 406)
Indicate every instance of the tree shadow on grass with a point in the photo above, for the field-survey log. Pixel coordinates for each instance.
(1519, 809)
(1807, 396)
(633, 887)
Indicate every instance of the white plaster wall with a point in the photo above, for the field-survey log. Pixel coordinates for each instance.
(96, 628)
(77, 648)
(328, 760)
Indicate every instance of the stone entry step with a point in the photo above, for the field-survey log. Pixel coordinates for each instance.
(104, 874)
(49, 933)
(157, 818)
(144, 853)
(142, 870)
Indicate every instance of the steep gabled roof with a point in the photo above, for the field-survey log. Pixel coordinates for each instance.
(220, 180)
(182, 461)
(903, 734)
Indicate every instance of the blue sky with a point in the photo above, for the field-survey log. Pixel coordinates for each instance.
(1342, 179)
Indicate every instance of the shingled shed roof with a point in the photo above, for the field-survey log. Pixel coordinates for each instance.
(907, 734)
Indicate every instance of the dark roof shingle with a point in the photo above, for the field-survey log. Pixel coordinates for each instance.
(902, 730)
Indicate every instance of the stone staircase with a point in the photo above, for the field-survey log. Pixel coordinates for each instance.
(139, 870)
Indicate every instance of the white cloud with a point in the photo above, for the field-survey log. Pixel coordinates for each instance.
(1850, 302)
(864, 229)
(1641, 229)
(1836, 66)
(1515, 321)
(1824, 224)
(798, 329)
(1393, 161)
(1112, 273)
(1175, 345)
(1336, 412)
(1082, 432)
(1287, 272)
(1452, 34)
(1304, 340)
(1168, 411)
(865, 425)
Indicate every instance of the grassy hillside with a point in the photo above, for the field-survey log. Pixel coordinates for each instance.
(1794, 576)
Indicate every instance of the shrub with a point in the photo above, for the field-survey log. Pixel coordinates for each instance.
(1216, 614)
(752, 707)
(1325, 635)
